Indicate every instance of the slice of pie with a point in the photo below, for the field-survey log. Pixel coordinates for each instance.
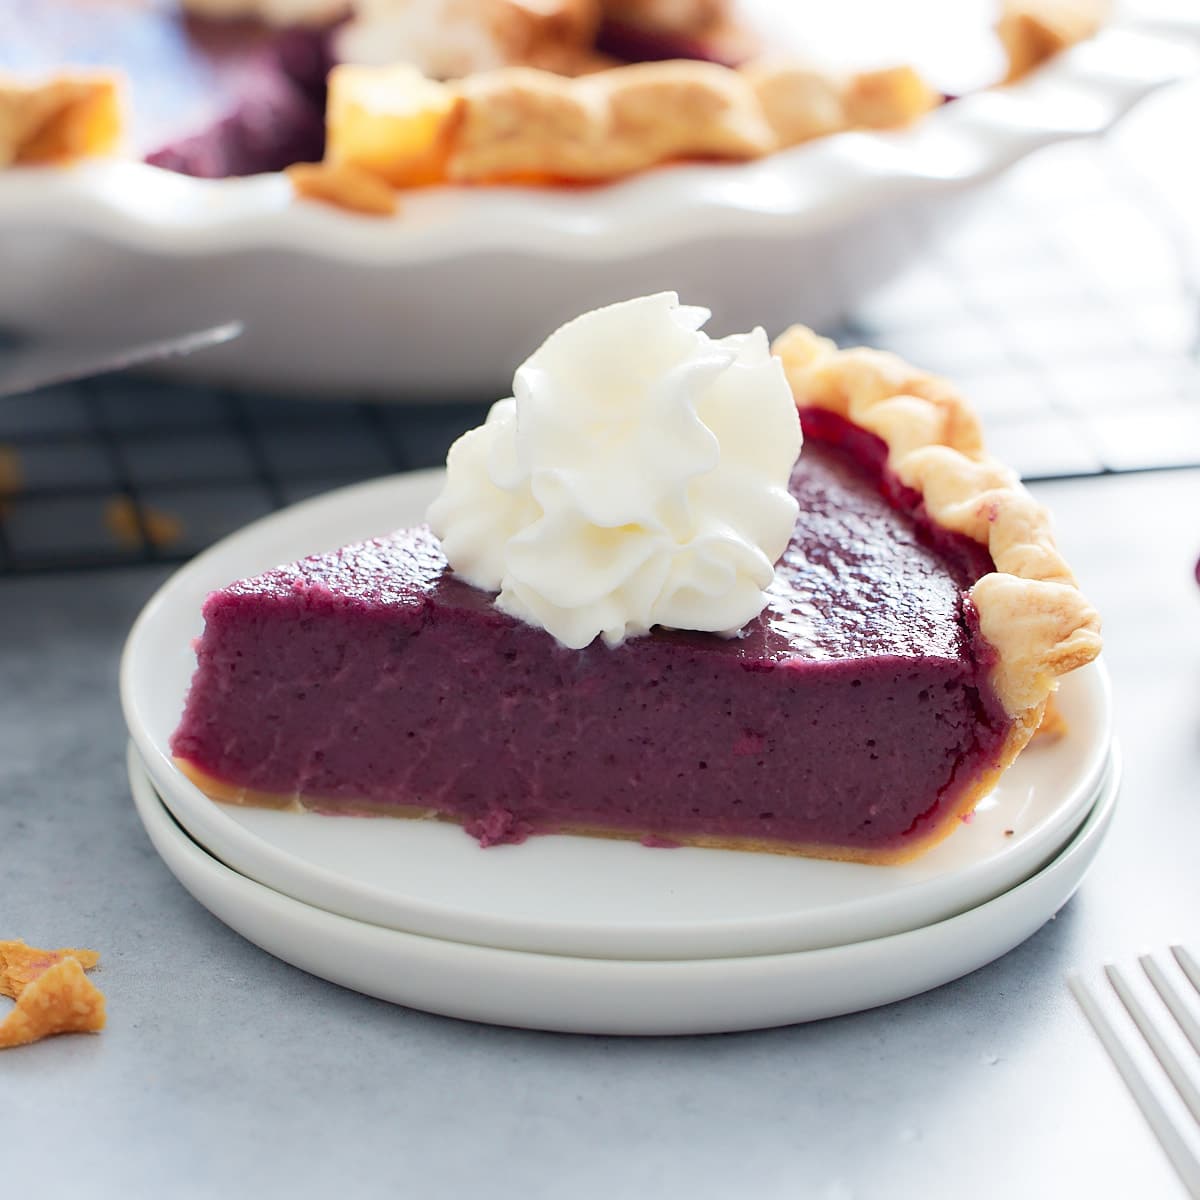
(915, 629)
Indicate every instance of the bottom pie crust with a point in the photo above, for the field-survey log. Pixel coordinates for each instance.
(1018, 736)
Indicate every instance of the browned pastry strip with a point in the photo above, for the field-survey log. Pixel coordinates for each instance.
(521, 123)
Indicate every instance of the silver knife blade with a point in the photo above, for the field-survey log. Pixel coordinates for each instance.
(30, 366)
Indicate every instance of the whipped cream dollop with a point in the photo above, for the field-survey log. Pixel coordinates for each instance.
(638, 476)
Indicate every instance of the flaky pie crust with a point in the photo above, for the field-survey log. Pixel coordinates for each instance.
(592, 122)
(562, 112)
(1030, 610)
(913, 847)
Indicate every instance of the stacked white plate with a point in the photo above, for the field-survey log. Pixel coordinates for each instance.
(583, 934)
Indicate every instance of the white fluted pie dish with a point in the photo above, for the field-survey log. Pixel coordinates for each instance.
(439, 301)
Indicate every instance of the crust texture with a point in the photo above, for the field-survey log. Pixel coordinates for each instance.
(529, 122)
(912, 848)
(540, 104)
(1030, 610)
(521, 123)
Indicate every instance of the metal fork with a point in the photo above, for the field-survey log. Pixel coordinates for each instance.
(1171, 1130)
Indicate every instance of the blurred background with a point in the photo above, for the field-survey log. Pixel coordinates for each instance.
(1065, 301)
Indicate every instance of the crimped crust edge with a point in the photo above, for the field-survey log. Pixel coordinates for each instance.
(1030, 610)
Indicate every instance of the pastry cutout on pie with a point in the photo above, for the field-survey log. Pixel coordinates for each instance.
(538, 91)
(521, 123)
(391, 122)
(57, 120)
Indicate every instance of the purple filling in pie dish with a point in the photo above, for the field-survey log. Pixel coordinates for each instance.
(216, 98)
(277, 119)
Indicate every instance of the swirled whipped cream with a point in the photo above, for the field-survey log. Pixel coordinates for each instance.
(638, 476)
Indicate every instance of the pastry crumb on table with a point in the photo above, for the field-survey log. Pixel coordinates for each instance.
(12, 476)
(131, 524)
(52, 993)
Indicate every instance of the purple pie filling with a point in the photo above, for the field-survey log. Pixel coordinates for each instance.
(853, 713)
(273, 118)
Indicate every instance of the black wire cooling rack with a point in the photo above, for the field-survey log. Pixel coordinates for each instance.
(1066, 304)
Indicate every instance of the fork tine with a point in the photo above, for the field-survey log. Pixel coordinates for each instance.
(1172, 999)
(1168, 1133)
(1176, 1071)
(1190, 968)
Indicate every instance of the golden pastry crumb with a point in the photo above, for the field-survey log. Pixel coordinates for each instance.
(345, 186)
(59, 119)
(21, 964)
(121, 518)
(52, 993)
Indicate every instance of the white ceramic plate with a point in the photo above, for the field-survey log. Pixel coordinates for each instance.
(590, 995)
(568, 895)
(445, 300)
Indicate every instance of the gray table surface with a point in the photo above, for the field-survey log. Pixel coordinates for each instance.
(224, 1071)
